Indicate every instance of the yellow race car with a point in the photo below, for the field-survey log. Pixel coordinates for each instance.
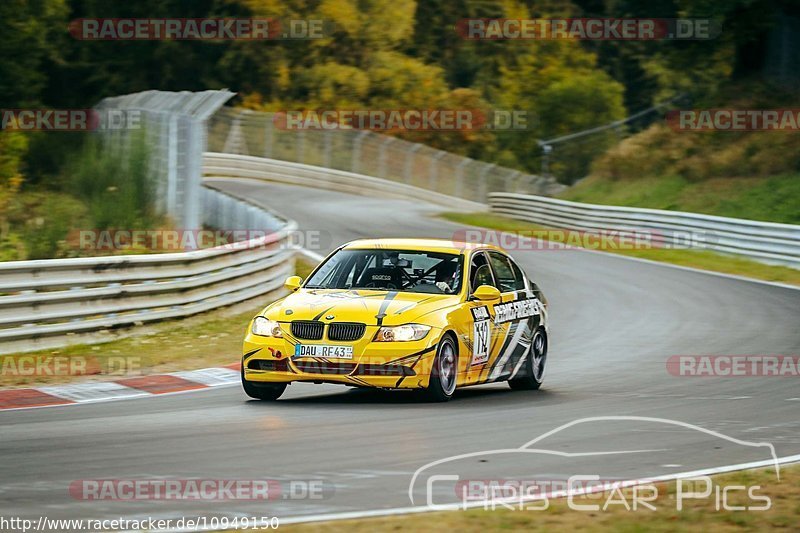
(402, 314)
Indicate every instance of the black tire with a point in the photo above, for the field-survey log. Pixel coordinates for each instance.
(262, 391)
(444, 373)
(534, 365)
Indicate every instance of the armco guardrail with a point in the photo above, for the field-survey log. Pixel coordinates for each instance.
(223, 165)
(763, 241)
(42, 301)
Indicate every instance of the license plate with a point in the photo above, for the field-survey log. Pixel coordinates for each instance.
(323, 350)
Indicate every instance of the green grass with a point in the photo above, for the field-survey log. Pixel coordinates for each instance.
(697, 515)
(205, 340)
(772, 199)
(701, 259)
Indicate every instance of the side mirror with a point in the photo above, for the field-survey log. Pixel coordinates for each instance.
(293, 283)
(486, 293)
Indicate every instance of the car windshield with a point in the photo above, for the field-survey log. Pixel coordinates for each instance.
(396, 270)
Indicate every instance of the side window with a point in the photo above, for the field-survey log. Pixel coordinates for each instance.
(519, 277)
(507, 280)
(479, 272)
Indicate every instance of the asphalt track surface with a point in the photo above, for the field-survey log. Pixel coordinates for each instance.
(614, 324)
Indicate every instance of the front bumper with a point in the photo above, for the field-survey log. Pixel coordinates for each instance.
(392, 365)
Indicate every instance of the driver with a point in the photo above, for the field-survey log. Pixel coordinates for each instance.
(445, 276)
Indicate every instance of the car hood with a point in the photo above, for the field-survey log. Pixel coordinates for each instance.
(372, 307)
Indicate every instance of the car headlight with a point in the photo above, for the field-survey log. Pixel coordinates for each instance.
(406, 332)
(266, 328)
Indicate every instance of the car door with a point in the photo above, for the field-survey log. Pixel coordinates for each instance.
(516, 317)
(484, 337)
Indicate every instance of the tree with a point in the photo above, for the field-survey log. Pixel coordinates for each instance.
(31, 45)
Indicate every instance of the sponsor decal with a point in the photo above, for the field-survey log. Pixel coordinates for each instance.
(516, 310)
(481, 336)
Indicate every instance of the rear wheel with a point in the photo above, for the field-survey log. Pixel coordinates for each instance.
(445, 369)
(262, 391)
(534, 364)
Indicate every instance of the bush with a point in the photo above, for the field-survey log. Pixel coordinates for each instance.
(99, 189)
(118, 190)
(699, 156)
(41, 223)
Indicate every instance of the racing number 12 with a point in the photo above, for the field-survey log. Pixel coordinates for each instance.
(480, 335)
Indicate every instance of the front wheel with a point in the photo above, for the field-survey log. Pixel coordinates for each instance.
(534, 364)
(445, 369)
(262, 391)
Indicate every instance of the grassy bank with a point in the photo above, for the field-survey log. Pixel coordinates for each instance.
(701, 259)
(771, 199)
(753, 175)
(696, 514)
